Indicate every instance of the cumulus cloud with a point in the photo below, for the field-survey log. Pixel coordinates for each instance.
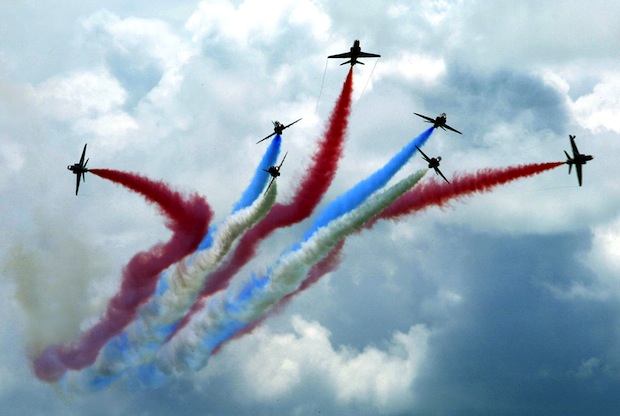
(600, 109)
(283, 363)
(255, 21)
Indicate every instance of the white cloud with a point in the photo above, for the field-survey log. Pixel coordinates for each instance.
(255, 20)
(137, 44)
(282, 363)
(412, 67)
(85, 94)
(600, 109)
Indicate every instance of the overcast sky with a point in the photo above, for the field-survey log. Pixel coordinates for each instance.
(504, 303)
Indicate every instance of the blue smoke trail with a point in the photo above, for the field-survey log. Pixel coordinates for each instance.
(256, 186)
(254, 189)
(160, 314)
(360, 192)
(227, 312)
(252, 192)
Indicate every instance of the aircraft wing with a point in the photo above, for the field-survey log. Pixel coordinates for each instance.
(573, 145)
(77, 183)
(262, 140)
(441, 174)
(368, 55)
(430, 120)
(285, 154)
(423, 154)
(273, 178)
(287, 126)
(579, 173)
(341, 55)
(450, 128)
(83, 155)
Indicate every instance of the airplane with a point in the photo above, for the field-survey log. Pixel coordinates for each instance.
(440, 121)
(80, 170)
(433, 162)
(578, 159)
(277, 129)
(274, 171)
(355, 52)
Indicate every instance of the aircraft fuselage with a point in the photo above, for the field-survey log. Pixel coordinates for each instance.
(77, 168)
(274, 171)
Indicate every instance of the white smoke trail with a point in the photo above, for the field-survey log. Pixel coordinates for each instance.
(229, 311)
(141, 339)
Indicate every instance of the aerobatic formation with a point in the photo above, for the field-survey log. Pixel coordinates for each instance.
(176, 306)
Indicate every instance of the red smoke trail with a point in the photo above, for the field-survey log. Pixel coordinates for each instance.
(188, 219)
(310, 190)
(434, 193)
(420, 197)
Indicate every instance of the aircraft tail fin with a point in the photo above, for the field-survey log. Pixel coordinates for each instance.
(569, 162)
(347, 62)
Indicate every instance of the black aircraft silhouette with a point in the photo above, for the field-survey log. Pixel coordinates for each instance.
(277, 129)
(355, 52)
(80, 170)
(433, 162)
(578, 159)
(274, 171)
(440, 121)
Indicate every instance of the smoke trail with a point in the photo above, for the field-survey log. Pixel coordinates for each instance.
(435, 193)
(360, 192)
(138, 343)
(311, 189)
(255, 188)
(230, 311)
(422, 196)
(317, 271)
(187, 219)
(343, 204)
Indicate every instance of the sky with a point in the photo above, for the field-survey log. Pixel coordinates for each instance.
(505, 303)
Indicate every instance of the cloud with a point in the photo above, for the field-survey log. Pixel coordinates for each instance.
(144, 55)
(284, 363)
(600, 109)
(255, 22)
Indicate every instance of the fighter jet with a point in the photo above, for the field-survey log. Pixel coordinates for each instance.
(433, 162)
(440, 121)
(277, 129)
(80, 170)
(355, 52)
(578, 159)
(274, 171)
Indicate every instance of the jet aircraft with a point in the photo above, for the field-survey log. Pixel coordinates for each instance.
(353, 54)
(277, 129)
(433, 162)
(439, 121)
(578, 159)
(80, 170)
(274, 171)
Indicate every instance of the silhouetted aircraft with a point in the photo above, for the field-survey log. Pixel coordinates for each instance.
(355, 52)
(578, 159)
(440, 121)
(277, 129)
(433, 162)
(274, 171)
(80, 170)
